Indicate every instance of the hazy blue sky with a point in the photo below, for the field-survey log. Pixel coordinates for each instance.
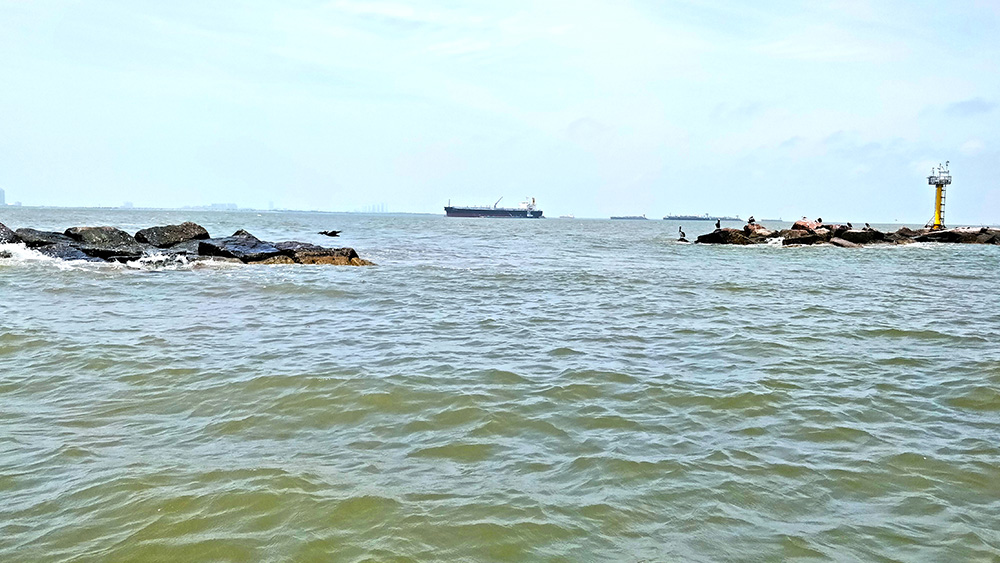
(770, 108)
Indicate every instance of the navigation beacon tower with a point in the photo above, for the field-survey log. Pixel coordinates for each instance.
(940, 177)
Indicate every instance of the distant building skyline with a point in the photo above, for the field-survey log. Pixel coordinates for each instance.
(3, 197)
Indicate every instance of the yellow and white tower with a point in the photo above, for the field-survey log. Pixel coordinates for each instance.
(940, 177)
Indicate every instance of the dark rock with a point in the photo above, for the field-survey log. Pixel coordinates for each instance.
(838, 230)
(65, 251)
(950, 235)
(100, 236)
(8, 236)
(808, 238)
(330, 233)
(186, 248)
(34, 239)
(858, 236)
(909, 233)
(836, 241)
(170, 235)
(108, 243)
(724, 236)
(242, 245)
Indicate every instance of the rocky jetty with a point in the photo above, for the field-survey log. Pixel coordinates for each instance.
(185, 242)
(846, 236)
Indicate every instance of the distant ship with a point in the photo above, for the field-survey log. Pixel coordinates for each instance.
(705, 217)
(526, 210)
(629, 217)
(570, 216)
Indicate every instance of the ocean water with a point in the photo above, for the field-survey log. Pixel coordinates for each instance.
(500, 390)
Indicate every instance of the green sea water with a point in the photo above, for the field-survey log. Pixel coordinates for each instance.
(500, 390)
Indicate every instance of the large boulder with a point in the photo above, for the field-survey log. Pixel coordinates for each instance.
(8, 236)
(909, 233)
(724, 236)
(755, 230)
(305, 253)
(108, 243)
(806, 225)
(33, 238)
(242, 245)
(169, 235)
(988, 236)
(860, 236)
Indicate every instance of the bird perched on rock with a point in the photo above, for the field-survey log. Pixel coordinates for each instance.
(849, 225)
(718, 223)
(868, 227)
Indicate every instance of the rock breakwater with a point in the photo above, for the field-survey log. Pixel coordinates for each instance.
(845, 236)
(183, 243)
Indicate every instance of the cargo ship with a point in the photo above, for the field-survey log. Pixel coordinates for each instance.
(527, 210)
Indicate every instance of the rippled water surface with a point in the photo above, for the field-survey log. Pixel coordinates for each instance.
(558, 390)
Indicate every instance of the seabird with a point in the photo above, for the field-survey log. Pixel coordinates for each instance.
(718, 223)
(849, 225)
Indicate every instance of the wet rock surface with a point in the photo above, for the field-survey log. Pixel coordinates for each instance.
(33, 238)
(8, 236)
(241, 245)
(174, 244)
(108, 243)
(170, 235)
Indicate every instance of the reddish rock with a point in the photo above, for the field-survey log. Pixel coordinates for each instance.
(805, 225)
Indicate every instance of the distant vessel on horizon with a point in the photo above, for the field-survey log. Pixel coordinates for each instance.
(526, 210)
(570, 216)
(629, 217)
(705, 217)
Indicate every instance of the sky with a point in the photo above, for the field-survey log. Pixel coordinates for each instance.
(596, 108)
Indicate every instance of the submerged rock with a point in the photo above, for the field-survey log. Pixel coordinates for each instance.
(170, 235)
(724, 236)
(242, 245)
(33, 238)
(836, 241)
(8, 236)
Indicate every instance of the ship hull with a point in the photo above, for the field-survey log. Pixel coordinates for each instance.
(496, 212)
